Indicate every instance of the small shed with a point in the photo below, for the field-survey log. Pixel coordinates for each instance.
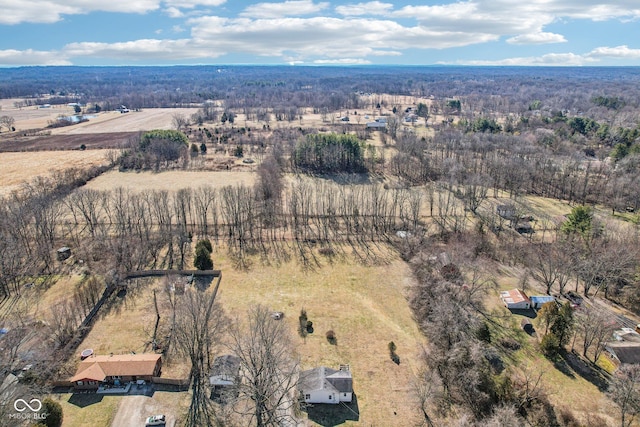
(538, 301)
(63, 253)
(515, 299)
(506, 211)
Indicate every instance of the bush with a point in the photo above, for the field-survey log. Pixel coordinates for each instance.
(202, 260)
(392, 353)
(510, 344)
(302, 329)
(54, 413)
(331, 337)
(550, 345)
(483, 333)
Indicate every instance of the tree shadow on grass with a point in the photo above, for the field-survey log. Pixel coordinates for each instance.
(82, 400)
(328, 415)
(587, 370)
(529, 312)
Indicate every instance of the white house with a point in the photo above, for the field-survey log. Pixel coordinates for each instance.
(326, 385)
(515, 299)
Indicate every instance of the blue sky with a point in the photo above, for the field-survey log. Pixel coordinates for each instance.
(412, 32)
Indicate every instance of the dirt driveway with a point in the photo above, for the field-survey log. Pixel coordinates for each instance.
(134, 410)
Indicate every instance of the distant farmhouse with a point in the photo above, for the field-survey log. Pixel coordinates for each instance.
(379, 123)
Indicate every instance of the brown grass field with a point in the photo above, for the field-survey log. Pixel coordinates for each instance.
(171, 180)
(365, 306)
(18, 168)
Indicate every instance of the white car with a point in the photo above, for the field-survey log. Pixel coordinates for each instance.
(155, 420)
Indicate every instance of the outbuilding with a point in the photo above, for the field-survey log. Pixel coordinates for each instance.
(515, 299)
(538, 301)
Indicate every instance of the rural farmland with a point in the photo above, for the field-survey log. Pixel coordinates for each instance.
(440, 255)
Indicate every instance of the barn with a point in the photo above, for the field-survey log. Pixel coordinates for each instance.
(515, 299)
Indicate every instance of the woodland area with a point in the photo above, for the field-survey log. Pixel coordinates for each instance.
(483, 138)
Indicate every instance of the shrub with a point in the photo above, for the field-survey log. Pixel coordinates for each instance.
(331, 337)
(202, 260)
(483, 333)
(510, 344)
(302, 329)
(550, 345)
(54, 413)
(392, 352)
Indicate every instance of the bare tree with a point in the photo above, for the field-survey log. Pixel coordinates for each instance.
(268, 369)
(198, 324)
(7, 122)
(179, 121)
(625, 392)
(596, 327)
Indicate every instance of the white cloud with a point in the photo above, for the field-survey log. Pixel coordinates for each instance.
(322, 37)
(174, 12)
(11, 57)
(342, 61)
(523, 20)
(190, 4)
(144, 49)
(49, 11)
(537, 38)
(618, 52)
(550, 59)
(279, 10)
(369, 8)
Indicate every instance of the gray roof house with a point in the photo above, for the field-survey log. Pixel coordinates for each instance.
(225, 370)
(224, 378)
(326, 385)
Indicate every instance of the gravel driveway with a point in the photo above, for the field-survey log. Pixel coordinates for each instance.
(134, 410)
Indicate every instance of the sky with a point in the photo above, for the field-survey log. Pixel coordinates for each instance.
(310, 32)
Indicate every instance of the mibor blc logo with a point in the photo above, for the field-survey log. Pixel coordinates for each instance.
(21, 405)
(28, 410)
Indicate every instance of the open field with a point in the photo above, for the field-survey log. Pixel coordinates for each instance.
(114, 121)
(18, 168)
(70, 142)
(365, 306)
(171, 180)
(108, 121)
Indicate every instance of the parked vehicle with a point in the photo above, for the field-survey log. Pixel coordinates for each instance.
(155, 420)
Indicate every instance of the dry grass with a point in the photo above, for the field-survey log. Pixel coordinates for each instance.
(170, 180)
(19, 168)
(365, 306)
(82, 410)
